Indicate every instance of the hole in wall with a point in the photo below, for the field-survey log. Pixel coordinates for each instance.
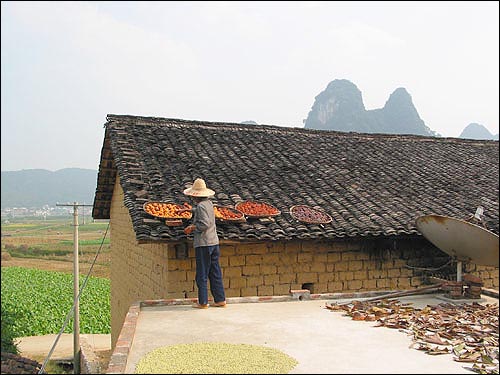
(308, 286)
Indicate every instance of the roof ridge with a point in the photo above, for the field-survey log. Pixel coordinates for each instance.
(147, 121)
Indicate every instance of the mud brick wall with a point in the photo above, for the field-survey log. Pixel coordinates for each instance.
(322, 267)
(165, 271)
(138, 271)
(273, 268)
(489, 275)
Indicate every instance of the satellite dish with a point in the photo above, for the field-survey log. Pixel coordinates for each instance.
(464, 241)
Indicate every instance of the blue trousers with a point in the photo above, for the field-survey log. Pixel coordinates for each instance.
(208, 269)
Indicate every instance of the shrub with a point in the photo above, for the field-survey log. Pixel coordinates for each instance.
(8, 334)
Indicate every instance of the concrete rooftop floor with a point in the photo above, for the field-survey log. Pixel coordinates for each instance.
(322, 341)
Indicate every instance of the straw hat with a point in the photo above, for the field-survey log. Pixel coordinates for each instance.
(199, 189)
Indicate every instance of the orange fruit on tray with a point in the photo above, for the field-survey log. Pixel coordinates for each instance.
(168, 210)
(257, 209)
(227, 213)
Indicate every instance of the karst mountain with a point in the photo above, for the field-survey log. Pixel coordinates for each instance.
(477, 131)
(340, 107)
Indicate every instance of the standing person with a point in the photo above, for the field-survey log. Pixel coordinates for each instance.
(206, 245)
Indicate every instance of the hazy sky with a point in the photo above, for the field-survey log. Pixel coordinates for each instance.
(66, 65)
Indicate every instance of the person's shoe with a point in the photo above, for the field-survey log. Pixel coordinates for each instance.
(219, 304)
(198, 306)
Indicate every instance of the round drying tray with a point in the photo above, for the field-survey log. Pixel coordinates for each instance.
(253, 209)
(228, 214)
(165, 210)
(309, 215)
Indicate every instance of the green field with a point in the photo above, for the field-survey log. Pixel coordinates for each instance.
(53, 239)
(36, 302)
(37, 279)
(36, 226)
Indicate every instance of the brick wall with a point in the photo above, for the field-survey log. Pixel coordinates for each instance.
(138, 271)
(258, 269)
(489, 275)
(165, 271)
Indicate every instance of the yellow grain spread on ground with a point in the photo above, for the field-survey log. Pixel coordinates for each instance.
(215, 358)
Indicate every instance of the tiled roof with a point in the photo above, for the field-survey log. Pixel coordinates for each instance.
(370, 184)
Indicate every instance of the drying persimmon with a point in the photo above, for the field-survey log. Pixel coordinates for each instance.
(168, 210)
(257, 209)
(227, 213)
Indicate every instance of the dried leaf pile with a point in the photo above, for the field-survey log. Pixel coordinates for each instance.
(467, 331)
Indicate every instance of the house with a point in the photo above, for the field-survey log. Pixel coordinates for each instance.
(373, 186)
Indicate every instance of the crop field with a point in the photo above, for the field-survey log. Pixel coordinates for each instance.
(37, 278)
(34, 241)
(37, 302)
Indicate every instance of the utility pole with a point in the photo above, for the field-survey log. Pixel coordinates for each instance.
(76, 272)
